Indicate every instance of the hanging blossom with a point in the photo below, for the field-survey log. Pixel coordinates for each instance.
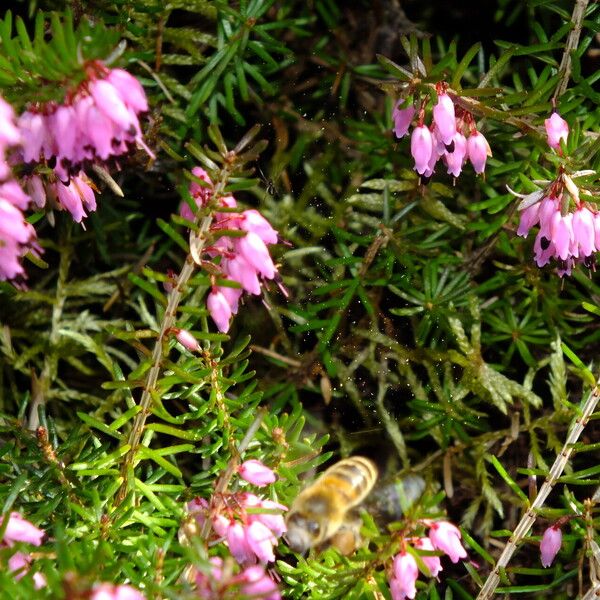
(568, 228)
(451, 138)
(550, 544)
(19, 529)
(245, 261)
(444, 537)
(252, 582)
(97, 122)
(17, 237)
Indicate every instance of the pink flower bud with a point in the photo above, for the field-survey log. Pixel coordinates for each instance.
(187, 340)
(550, 545)
(478, 150)
(446, 537)
(443, 116)
(433, 563)
(406, 572)
(261, 540)
(219, 309)
(402, 118)
(421, 147)
(254, 472)
(556, 129)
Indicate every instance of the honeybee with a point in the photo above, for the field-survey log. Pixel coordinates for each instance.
(327, 512)
(326, 508)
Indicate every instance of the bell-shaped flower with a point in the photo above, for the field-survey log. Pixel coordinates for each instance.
(219, 309)
(238, 543)
(405, 574)
(583, 230)
(108, 591)
(421, 148)
(253, 221)
(446, 537)
(129, 89)
(107, 99)
(478, 151)
(187, 340)
(433, 563)
(256, 583)
(456, 158)
(261, 540)
(19, 529)
(550, 545)
(244, 273)
(402, 118)
(255, 252)
(444, 118)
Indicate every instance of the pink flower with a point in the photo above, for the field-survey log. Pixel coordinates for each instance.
(254, 472)
(241, 271)
(433, 563)
(456, 158)
(478, 150)
(19, 564)
(405, 574)
(583, 231)
(253, 221)
(219, 309)
(402, 118)
(208, 583)
(557, 129)
(444, 119)
(550, 545)
(421, 147)
(257, 583)
(446, 537)
(107, 591)
(256, 254)
(16, 238)
(261, 541)
(19, 529)
(107, 99)
(232, 295)
(238, 543)
(129, 89)
(9, 133)
(272, 519)
(187, 340)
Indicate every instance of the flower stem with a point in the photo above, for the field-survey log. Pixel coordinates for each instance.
(527, 520)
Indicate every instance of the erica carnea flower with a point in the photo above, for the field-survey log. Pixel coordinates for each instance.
(557, 129)
(433, 563)
(444, 118)
(421, 147)
(107, 591)
(402, 118)
(550, 545)
(478, 151)
(445, 536)
(404, 576)
(245, 261)
(256, 473)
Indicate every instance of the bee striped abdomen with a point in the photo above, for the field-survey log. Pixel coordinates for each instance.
(352, 477)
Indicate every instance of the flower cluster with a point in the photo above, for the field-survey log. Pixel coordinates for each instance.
(443, 536)
(99, 120)
(252, 582)
(19, 529)
(107, 591)
(445, 139)
(17, 237)
(249, 524)
(568, 229)
(245, 260)
(550, 544)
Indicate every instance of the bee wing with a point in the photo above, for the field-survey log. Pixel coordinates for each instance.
(390, 500)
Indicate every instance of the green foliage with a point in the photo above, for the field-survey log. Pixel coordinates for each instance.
(418, 329)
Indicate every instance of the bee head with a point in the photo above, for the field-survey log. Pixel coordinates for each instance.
(302, 533)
